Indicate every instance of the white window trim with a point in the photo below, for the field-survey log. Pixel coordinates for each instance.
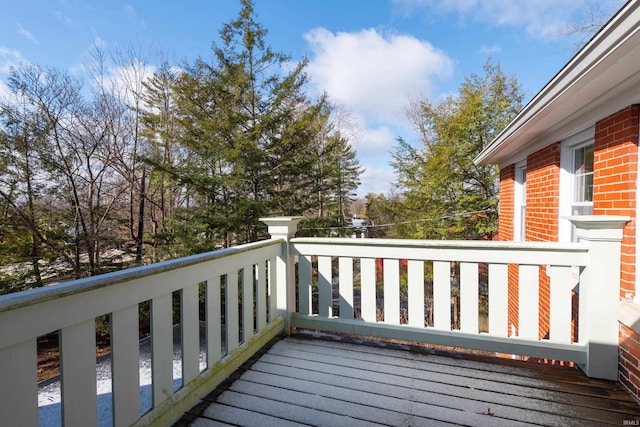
(520, 177)
(567, 146)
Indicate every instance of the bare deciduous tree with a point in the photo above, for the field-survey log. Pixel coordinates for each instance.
(589, 18)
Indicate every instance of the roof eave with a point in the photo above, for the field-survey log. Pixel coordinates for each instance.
(583, 74)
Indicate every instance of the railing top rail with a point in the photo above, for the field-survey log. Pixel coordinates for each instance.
(532, 253)
(39, 295)
(448, 244)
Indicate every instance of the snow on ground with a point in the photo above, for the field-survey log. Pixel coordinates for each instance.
(49, 402)
(57, 269)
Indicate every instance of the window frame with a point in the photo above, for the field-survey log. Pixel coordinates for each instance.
(568, 148)
(520, 201)
(574, 186)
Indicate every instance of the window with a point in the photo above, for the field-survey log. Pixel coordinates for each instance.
(582, 188)
(576, 180)
(582, 200)
(520, 205)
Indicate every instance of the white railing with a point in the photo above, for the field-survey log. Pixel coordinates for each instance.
(72, 308)
(329, 268)
(267, 288)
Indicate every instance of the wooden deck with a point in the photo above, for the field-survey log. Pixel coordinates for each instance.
(322, 382)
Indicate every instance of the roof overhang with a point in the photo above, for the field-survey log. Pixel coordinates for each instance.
(602, 78)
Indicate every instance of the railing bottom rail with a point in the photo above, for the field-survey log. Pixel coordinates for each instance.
(574, 352)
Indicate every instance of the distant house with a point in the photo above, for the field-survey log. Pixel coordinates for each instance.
(359, 226)
(573, 150)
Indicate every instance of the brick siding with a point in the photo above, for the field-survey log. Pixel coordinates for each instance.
(628, 361)
(614, 182)
(506, 202)
(543, 191)
(615, 178)
(505, 232)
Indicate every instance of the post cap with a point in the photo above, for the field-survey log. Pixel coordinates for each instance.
(282, 227)
(599, 227)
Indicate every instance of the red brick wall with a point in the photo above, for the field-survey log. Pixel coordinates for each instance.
(628, 357)
(614, 182)
(505, 232)
(506, 202)
(543, 191)
(512, 297)
(615, 177)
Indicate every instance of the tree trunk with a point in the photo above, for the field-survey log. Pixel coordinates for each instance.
(140, 237)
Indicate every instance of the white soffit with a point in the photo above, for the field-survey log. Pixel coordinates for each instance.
(602, 78)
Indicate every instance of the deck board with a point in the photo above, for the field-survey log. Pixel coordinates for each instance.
(320, 382)
(525, 381)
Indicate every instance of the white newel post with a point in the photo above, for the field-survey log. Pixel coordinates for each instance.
(600, 292)
(284, 228)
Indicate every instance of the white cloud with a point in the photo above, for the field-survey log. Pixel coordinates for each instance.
(27, 34)
(127, 79)
(377, 181)
(375, 144)
(132, 16)
(9, 58)
(374, 74)
(124, 80)
(374, 147)
(490, 50)
(373, 77)
(130, 11)
(4, 90)
(98, 43)
(539, 18)
(65, 19)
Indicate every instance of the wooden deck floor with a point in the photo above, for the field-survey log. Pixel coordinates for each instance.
(320, 382)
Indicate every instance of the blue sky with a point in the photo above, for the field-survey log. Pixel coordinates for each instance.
(371, 56)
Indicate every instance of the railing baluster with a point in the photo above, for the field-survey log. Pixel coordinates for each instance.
(190, 334)
(78, 369)
(261, 295)
(442, 295)
(273, 288)
(324, 286)
(469, 297)
(248, 310)
(214, 338)
(415, 270)
(162, 348)
(391, 291)
(345, 281)
(125, 352)
(19, 384)
(368, 289)
(247, 302)
(528, 291)
(304, 281)
(560, 304)
(498, 299)
(232, 318)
